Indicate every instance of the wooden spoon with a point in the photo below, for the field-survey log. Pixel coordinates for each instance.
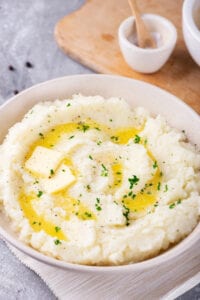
(145, 40)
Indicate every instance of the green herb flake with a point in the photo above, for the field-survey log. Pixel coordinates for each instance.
(171, 206)
(155, 165)
(89, 215)
(51, 171)
(88, 187)
(158, 186)
(137, 139)
(110, 120)
(85, 127)
(166, 188)
(133, 181)
(179, 201)
(68, 104)
(39, 194)
(90, 157)
(98, 205)
(57, 229)
(114, 138)
(35, 182)
(99, 143)
(57, 242)
(104, 171)
(41, 135)
(71, 137)
(126, 214)
(63, 170)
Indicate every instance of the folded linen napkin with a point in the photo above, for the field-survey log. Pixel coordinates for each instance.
(69, 285)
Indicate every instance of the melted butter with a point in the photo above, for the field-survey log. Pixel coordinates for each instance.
(38, 222)
(142, 201)
(117, 175)
(52, 137)
(73, 206)
(146, 198)
(124, 135)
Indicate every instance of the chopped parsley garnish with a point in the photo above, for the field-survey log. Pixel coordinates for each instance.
(179, 201)
(118, 173)
(166, 188)
(104, 171)
(155, 165)
(85, 127)
(145, 141)
(68, 104)
(133, 181)
(99, 143)
(88, 187)
(39, 194)
(57, 242)
(126, 214)
(98, 204)
(63, 170)
(137, 139)
(114, 138)
(51, 171)
(172, 205)
(71, 137)
(34, 223)
(161, 174)
(158, 186)
(35, 182)
(57, 229)
(90, 157)
(41, 135)
(110, 120)
(89, 215)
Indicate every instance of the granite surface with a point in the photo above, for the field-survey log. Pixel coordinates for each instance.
(29, 55)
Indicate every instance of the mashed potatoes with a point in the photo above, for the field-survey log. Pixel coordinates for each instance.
(91, 181)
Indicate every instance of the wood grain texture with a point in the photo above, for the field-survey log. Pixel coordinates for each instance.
(89, 35)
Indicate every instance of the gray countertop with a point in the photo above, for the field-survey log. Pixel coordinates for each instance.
(26, 35)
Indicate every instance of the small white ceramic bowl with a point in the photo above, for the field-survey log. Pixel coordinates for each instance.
(159, 274)
(191, 27)
(147, 60)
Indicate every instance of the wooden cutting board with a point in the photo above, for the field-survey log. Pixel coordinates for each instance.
(89, 35)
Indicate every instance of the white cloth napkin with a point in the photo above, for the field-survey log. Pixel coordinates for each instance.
(67, 285)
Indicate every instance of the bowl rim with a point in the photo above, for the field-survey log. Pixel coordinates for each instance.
(155, 18)
(188, 19)
(181, 247)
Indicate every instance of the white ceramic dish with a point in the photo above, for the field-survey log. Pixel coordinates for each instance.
(147, 60)
(184, 257)
(191, 27)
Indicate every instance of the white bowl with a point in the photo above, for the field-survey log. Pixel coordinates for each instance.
(183, 259)
(147, 60)
(191, 27)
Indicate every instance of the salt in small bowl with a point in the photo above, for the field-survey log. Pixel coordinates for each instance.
(147, 60)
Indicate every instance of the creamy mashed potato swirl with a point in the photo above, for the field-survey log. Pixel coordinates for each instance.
(91, 181)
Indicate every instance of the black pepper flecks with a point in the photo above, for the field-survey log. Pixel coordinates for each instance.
(11, 68)
(29, 65)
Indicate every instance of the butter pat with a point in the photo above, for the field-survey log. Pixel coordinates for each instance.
(43, 160)
(60, 180)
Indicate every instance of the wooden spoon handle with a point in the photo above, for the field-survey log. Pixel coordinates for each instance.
(143, 35)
